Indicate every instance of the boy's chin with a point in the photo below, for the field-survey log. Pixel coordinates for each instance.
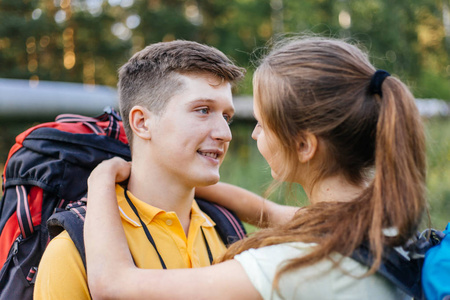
(209, 181)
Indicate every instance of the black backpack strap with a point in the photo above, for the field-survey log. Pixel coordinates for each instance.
(87, 121)
(228, 225)
(72, 220)
(113, 129)
(23, 211)
(403, 272)
(109, 114)
(403, 265)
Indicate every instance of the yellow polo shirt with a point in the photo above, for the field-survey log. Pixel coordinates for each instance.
(61, 274)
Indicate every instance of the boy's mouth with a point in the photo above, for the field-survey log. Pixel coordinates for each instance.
(214, 155)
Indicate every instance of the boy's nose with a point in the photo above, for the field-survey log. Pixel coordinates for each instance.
(222, 130)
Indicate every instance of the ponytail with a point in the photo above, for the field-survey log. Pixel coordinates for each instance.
(400, 163)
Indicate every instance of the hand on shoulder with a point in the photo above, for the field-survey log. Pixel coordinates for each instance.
(109, 171)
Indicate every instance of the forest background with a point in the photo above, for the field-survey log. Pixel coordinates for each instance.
(85, 41)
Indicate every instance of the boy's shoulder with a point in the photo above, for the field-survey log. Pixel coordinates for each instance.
(61, 271)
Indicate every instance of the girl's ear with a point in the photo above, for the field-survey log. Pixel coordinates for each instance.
(140, 122)
(306, 146)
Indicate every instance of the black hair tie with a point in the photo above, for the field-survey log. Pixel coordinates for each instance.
(376, 81)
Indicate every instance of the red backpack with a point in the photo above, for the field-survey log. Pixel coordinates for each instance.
(48, 168)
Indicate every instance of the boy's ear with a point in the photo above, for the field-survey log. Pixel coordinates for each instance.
(306, 146)
(140, 122)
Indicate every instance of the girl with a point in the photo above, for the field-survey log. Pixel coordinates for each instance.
(329, 121)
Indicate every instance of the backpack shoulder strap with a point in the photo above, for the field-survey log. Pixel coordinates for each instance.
(403, 266)
(229, 227)
(401, 271)
(72, 220)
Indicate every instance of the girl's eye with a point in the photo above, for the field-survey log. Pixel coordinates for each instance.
(228, 119)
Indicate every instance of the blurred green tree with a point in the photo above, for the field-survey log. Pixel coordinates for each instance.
(87, 40)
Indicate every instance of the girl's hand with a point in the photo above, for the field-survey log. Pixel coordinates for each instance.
(110, 171)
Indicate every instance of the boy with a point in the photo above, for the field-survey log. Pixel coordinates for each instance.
(176, 104)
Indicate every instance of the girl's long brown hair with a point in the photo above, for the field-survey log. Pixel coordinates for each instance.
(322, 85)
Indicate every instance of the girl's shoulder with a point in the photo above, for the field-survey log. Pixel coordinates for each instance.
(323, 280)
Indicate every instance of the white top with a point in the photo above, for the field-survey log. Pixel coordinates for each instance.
(319, 281)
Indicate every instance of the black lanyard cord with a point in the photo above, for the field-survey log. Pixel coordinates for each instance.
(150, 238)
(207, 247)
(147, 233)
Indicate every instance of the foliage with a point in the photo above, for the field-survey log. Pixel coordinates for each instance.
(432, 85)
(438, 154)
(87, 40)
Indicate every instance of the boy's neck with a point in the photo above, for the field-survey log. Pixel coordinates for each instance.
(163, 192)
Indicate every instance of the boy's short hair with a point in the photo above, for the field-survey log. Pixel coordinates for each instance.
(151, 77)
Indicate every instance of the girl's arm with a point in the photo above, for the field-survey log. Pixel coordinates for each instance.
(248, 206)
(110, 268)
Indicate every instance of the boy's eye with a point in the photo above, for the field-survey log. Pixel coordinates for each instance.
(203, 110)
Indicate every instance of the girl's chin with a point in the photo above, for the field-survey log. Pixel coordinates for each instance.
(274, 175)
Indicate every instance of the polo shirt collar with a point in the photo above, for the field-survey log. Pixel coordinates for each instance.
(148, 212)
(196, 212)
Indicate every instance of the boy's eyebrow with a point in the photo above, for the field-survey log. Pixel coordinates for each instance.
(200, 100)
